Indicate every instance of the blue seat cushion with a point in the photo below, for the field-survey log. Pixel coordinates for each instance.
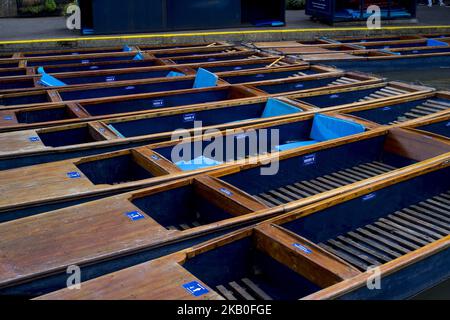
(205, 79)
(275, 108)
(293, 145)
(174, 74)
(326, 128)
(197, 163)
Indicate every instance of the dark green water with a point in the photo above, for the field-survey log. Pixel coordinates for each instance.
(436, 78)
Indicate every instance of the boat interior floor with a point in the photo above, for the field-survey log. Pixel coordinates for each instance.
(394, 235)
(304, 189)
(426, 108)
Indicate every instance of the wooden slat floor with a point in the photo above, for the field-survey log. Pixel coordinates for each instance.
(304, 189)
(395, 235)
(428, 107)
(242, 289)
(386, 92)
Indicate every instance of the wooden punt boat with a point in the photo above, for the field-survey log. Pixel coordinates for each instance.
(386, 60)
(93, 58)
(413, 109)
(322, 251)
(98, 176)
(148, 60)
(325, 40)
(113, 107)
(356, 96)
(436, 127)
(79, 140)
(94, 78)
(299, 78)
(13, 118)
(110, 49)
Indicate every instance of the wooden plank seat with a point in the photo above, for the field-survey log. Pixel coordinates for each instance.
(304, 189)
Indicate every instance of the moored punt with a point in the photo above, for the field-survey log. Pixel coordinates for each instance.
(437, 127)
(396, 112)
(321, 251)
(81, 179)
(386, 60)
(132, 54)
(294, 79)
(150, 221)
(86, 78)
(317, 50)
(111, 49)
(79, 140)
(113, 107)
(344, 98)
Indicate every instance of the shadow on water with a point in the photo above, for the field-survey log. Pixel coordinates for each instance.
(438, 78)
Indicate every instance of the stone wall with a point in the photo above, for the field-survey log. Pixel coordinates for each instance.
(8, 8)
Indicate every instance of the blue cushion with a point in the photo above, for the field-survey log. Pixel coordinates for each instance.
(435, 43)
(326, 128)
(205, 79)
(293, 145)
(127, 48)
(139, 56)
(111, 127)
(197, 163)
(276, 108)
(48, 80)
(174, 74)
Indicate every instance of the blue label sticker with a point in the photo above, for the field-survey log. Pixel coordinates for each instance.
(226, 191)
(235, 68)
(302, 248)
(7, 118)
(299, 85)
(74, 175)
(386, 108)
(34, 139)
(190, 117)
(309, 159)
(75, 53)
(448, 124)
(260, 76)
(158, 103)
(130, 88)
(370, 196)
(93, 67)
(155, 157)
(110, 79)
(415, 51)
(134, 215)
(214, 59)
(85, 61)
(334, 96)
(195, 288)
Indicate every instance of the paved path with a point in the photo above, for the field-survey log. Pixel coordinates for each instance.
(54, 27)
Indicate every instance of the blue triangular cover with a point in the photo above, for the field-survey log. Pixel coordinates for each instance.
(326, 128)
(205, 79)
(174, 74)
(436, 43)
(276, 108)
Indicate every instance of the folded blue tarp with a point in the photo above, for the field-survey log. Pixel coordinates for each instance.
(436, 43)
